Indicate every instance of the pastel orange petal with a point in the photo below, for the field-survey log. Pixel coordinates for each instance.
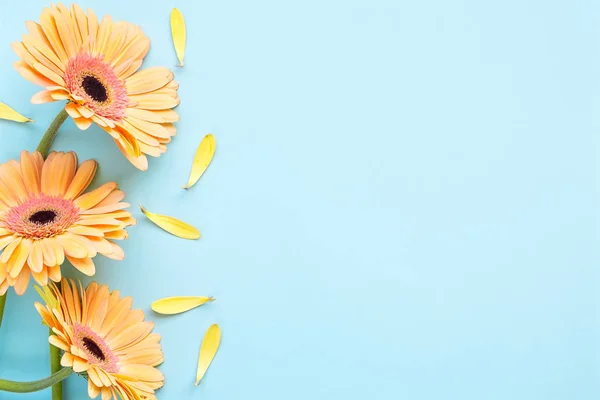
(94, 197)
(36, 257)
(30, 173)
(84, 265)
(83, 123)
(82, 179)
(42, 97)
(22, 283)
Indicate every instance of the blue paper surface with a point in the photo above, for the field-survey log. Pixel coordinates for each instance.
(403, 203)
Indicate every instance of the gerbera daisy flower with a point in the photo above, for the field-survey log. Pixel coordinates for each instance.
(101, 336)
(94, 66)
(45, 218)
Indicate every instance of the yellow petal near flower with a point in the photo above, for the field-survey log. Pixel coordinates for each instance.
(173, 226)
(47, 296)
(202, 159)
(178, 305)
(10, 114)
(178, 32)
(209, 348)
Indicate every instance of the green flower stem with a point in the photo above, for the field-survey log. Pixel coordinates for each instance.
(55, 367)
(48, 138)
(28, 387)
(2, 304)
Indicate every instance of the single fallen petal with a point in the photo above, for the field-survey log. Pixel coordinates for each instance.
(177, 305)
(173, 226)
(10, 114)
(178, 32)
(202, 159)
(209, 348)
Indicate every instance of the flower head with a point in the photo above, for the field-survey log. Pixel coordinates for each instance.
(45, 218)
(101, 336)
(94, 66)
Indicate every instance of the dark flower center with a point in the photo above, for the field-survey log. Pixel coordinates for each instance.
(94, 88)
(43, 217)
(94, 348)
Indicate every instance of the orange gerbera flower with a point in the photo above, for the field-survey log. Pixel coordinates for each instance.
(93, 66)
(45, 218)
(102, 336)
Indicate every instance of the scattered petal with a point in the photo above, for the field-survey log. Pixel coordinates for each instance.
(202, 159)
(209, 348)
(10, 114)
(177, 305)
(178, 32)
(173, 226)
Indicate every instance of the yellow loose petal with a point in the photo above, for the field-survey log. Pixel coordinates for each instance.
(177, 305)
(202, 159)
(178, 32)
(173, 226)
(209, 348)
(8, 113)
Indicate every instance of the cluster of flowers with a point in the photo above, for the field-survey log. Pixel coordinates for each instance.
(46, 215)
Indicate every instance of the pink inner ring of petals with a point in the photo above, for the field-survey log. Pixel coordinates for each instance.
(17, 219)
(85, 65)
(83, 334)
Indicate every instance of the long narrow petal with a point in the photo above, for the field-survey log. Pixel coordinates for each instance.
(9, 113)
(179, 33)
(36, 257)
(177, 305)
(202, 159)
(83, 178)
(173, 226)
(208, 350)
(30, 173)
(89, 200)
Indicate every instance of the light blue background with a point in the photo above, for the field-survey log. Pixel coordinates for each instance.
(403, 204)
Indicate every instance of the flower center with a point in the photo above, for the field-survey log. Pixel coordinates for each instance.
(93, 348)
(98, 352)
(43, 217)
(94, 88)
(95, 85)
